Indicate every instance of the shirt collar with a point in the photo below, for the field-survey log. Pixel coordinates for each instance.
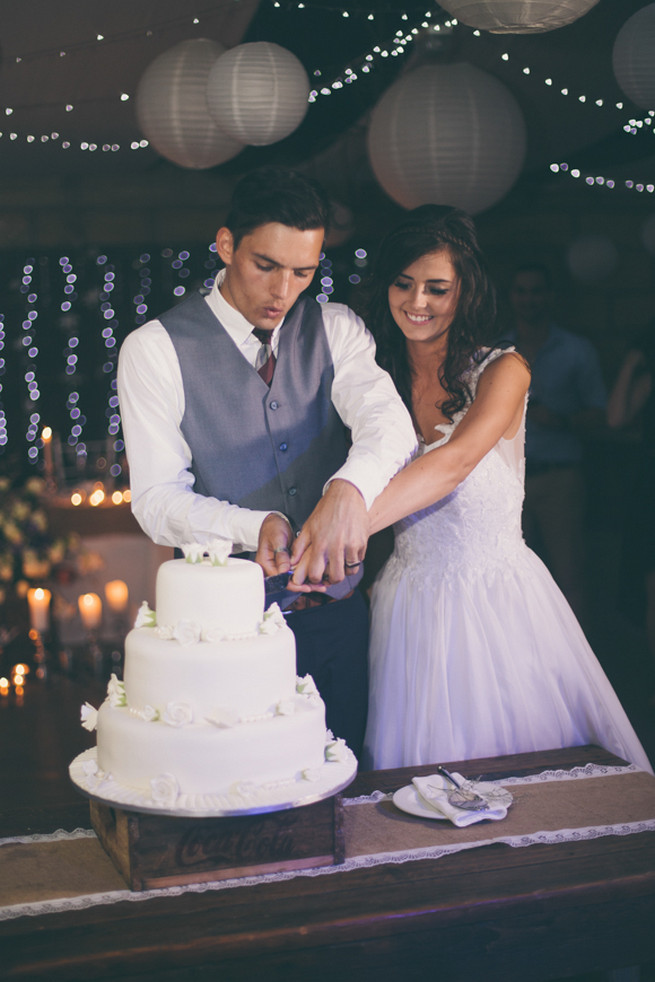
(236, 325)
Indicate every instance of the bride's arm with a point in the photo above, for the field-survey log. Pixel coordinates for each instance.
(495, 412)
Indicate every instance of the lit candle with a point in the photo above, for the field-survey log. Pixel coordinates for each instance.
(90, 607)
(39, 604)
(46, 436)
(116, 594)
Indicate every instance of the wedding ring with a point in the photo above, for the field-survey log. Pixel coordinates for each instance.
(353, 565)
(280, 549)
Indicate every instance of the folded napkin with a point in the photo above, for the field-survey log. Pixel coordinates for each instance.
(434, 790)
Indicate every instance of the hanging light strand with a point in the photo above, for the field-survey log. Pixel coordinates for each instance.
(599, 181)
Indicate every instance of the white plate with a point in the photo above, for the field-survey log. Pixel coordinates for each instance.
(409, 800)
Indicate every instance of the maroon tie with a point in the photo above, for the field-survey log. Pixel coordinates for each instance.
(265, 363)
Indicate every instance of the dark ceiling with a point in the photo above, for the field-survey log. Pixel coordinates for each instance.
(51, 59)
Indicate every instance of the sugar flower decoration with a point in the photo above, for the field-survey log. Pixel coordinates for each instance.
(193, 552)
(273, 620)
(94, 778)
(284, 707)
(219, 551)
(336, 751)
(145, 616)
(223, 718)
(164, 632)
(147, 713)
(89, 716)
(186, 632)
(178, 714)
(116, 691)
(164, 790)
(306, 686)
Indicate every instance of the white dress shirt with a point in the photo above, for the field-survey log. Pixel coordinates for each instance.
(151, 398)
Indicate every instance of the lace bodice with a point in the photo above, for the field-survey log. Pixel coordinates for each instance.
(477, 527)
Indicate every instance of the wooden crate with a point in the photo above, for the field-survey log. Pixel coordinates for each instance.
(160, 851)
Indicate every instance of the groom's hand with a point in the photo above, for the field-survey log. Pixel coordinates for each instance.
(333, 540)
(274, 546)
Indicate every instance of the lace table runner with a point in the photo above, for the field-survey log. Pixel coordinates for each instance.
(44, 874)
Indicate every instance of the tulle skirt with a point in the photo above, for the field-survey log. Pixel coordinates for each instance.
(481, 664)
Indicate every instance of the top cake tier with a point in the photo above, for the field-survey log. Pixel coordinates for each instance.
(223, 601)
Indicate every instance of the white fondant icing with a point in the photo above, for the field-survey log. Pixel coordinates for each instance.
(250, 676)
(229, 598)
(207, 725)
(209, 759)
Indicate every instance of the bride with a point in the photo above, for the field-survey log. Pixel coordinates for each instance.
(474, 651)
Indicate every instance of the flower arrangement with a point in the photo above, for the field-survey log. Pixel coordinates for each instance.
(30, 552)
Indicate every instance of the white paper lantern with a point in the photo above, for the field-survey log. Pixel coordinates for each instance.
(517, 16)
(447, 134)
(592, 257)
(258, 92)
(171, 106)
(633, 57)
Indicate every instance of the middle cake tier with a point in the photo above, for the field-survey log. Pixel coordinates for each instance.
(247, 676)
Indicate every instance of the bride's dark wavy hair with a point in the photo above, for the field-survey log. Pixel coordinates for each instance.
(427, 229)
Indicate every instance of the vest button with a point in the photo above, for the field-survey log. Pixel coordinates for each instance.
(274, 404)
(283, 447)
(292, 491)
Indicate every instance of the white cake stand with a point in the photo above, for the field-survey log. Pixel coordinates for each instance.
(243, 799)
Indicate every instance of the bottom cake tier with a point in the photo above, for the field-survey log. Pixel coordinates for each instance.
(181, 766)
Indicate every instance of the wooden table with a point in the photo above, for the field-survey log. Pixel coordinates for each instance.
(492, 913)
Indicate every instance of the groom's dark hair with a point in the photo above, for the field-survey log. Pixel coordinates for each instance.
(276, 194)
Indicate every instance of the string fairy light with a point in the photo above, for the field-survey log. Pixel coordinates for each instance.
(599, 181)
(350, 74)
(633, 126)
(29, 344)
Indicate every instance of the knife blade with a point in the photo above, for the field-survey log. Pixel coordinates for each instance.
(275, 590)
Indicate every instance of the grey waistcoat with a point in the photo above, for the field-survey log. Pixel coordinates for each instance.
(269, 449)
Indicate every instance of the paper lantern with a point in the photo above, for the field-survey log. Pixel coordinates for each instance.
(592, 257)
(257, 93)
(447, 134)
(171, 106)
(633, 57)
(517, 16)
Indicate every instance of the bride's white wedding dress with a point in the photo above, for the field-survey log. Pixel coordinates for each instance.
(474, 650)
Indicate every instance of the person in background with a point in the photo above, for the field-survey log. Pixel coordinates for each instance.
(257, 415)
(632, 403)
(567, 403)
(474, 650)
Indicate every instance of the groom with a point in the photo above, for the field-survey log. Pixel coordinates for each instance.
(260, 416)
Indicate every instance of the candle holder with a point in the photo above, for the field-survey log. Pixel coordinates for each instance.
(41, 656)
(94, 653)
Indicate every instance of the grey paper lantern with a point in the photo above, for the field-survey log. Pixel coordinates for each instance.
(517, 16)
(257, 93)
(171, 106)
(447, 134)
(633, 57)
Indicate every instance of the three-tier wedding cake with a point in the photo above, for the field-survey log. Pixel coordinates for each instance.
(210, 717)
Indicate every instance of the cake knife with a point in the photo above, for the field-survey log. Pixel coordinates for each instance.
(276, 592)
